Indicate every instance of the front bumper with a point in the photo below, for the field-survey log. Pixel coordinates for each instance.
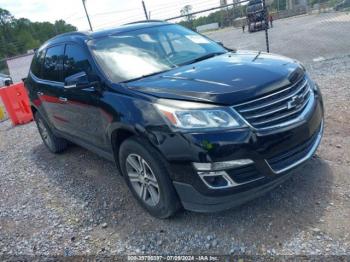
(274, 154)
(194, 200)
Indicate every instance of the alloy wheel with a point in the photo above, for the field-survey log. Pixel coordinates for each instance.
(143, 179)
(44, 132)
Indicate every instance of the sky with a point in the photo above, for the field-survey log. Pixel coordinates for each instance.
(103, 13)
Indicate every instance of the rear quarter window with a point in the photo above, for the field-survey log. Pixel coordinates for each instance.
(36, 66)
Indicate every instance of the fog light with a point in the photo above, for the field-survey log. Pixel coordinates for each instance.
(215, 166)
(216, 180)
(214, 175)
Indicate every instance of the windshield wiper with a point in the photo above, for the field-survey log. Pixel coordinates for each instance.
(151, 74)
(256, 57)
(201, 58)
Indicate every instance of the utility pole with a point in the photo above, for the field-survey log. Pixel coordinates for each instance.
(87, 15)
(144, 9)
(266, 26)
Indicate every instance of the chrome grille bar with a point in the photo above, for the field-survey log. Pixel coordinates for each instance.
(275, 101)
(266, 113)
(278, 107)
(270, 95)
(275, 110)
(284, 115)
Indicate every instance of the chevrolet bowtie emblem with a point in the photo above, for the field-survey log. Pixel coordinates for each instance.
(295, 102)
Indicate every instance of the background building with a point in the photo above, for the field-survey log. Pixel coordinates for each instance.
(18, 66)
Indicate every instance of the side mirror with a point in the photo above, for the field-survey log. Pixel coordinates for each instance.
(78, 80)
(8, 82)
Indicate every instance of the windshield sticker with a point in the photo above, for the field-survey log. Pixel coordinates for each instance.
(197, 39)
(147, 38)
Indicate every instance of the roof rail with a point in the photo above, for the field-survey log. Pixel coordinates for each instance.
(71, 33)
(146, 21)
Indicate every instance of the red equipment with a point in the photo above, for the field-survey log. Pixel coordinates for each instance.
(16, 101)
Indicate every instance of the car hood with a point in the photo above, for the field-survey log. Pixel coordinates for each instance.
(226, 79)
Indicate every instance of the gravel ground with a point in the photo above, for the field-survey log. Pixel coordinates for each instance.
(305, 37)
(76, 204)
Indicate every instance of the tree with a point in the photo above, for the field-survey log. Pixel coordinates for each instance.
(62, 27)
(186, 12)
(5, 17)
(19, 35)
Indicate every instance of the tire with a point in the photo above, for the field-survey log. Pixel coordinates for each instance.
(53, 143)
(155, 173)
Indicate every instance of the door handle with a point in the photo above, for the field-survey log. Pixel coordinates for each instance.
(40, 93)
(63, 99)
(70, 86)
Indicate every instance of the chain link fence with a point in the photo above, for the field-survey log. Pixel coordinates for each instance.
(308, 30)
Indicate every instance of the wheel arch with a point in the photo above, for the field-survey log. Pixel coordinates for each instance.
(123, 132)
(33, 109)
(118, 136)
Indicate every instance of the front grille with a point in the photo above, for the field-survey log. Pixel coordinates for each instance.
(294, 154)
(277, 107)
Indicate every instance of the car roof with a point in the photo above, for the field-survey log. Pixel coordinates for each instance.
(87, 35)
(4, 76)
(127, 27)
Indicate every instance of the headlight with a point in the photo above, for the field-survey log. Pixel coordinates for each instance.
(188, 115)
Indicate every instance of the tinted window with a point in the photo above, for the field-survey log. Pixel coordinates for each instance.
(184, 43)
(37, 63)
(53, 63)
(75, 61)
(146, 51)
(165, 44)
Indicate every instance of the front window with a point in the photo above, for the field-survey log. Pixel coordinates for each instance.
(138, 53)
(75, 61)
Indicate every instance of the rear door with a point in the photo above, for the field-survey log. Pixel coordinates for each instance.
(51, 87)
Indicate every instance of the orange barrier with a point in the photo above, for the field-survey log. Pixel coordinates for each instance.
(16, 101)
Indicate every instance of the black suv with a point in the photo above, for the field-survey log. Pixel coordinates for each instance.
(188, 122)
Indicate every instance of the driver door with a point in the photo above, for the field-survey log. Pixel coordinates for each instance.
(82, 105)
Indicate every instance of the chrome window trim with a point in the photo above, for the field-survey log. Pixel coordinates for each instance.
(44, 81)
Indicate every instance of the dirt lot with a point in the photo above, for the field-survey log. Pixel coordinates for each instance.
(304, 38)
(75, 203)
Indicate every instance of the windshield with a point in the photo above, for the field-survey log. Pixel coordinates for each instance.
(148, 51)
